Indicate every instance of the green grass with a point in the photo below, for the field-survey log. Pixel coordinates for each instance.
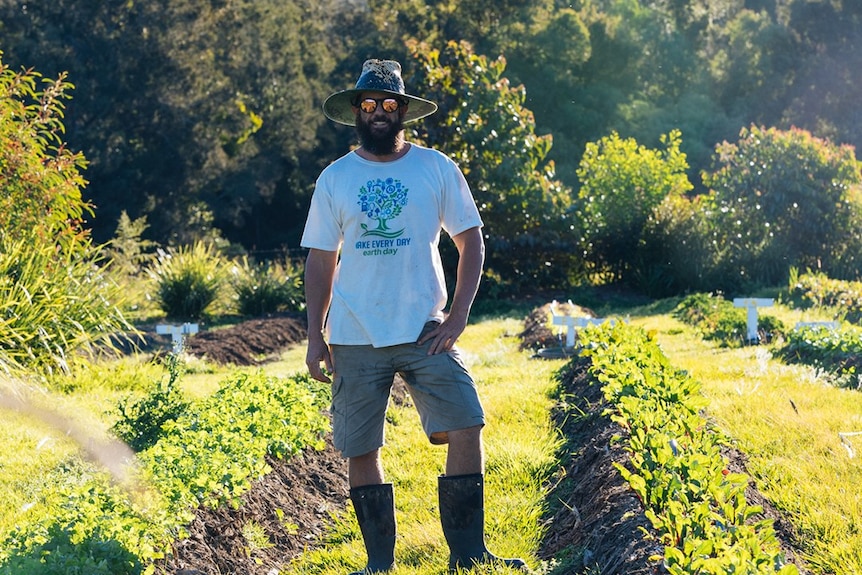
(787, 420)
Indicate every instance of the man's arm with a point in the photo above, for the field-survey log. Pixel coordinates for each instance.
(471, 259)
(319, 274)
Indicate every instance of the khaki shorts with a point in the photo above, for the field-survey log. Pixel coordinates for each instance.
(440, 386)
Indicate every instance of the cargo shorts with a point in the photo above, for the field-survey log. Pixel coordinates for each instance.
(440, 386)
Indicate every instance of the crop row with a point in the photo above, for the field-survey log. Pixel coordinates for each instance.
(697, 507)
(208, 454)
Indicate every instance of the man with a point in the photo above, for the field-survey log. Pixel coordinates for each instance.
(375, 293)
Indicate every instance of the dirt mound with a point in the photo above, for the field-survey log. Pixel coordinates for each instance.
(537, 333)
(249, 343)
(594, 519)
(291, 506)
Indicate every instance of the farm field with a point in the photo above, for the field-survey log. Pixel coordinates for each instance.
(785, 419)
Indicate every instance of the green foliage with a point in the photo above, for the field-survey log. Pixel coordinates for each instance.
(817, 290)
(267, 287)
(622, 183)
(675, 464)
(55, 302)
(209, 455)
(188, 280)
(783, 199)
(139, 423)
(676, 253)
(129, 252)
(837, 352)
(212, 453)
(719, 320)
(40, 178)
(483, 125)
(87, 526)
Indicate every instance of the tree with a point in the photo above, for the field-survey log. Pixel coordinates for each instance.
(622, 182)
(483, 125)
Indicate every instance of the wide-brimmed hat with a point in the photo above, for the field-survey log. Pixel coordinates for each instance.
(377, 76)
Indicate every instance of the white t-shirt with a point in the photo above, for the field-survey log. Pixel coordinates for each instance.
(386, 218)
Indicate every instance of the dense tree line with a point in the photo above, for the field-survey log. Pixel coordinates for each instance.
(204, 115)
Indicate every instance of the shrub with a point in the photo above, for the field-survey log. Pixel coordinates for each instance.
(55, 299)
(621, 184)
(837, 352)
(719, 320)
(267, 287)
(815, 289)
(188, 280)
(140, 422)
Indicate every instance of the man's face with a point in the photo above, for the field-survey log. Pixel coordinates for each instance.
(379, 130)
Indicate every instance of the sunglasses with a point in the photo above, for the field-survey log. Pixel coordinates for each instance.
(368, 105)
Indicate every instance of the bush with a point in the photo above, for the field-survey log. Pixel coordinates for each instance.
(817, 290)
(622, 183)
(719, 320)
(267, 287)
(188, 280)
(784, 199)
(140, 423)
(56, 300)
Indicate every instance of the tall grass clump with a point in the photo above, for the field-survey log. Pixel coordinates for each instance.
(188, 280)
(267, 287)
(55, 302)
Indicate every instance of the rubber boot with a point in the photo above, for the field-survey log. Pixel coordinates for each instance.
(462, 514)
(375, 512)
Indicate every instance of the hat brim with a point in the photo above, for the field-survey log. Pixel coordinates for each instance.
(339, 106)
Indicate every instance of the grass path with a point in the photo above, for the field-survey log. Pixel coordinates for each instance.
(787, 420)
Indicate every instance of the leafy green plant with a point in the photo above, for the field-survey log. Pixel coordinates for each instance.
(622, 182)
(494, 140)
(140, 422)
(55, 303)
(211, 453)
(188, 280)
(783, 198)
(837, 352)
(817, 290)
(267, 287)
(40, 178)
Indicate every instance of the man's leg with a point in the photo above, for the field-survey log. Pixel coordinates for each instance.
(462, 503)
(374, 503)
(365, 469)
(465, 455)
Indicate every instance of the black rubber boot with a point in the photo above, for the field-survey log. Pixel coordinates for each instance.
(462, 514)
(375, 512)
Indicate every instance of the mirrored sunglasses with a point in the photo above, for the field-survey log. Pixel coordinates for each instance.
(368, 105)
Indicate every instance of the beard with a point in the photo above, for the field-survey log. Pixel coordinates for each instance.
(379, 142)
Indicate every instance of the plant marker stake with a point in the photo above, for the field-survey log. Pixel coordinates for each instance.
(178, 333)
(751, 304)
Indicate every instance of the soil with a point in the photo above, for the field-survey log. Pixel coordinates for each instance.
(594, 523)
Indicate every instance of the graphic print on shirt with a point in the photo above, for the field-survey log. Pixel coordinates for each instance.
(382, 201)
